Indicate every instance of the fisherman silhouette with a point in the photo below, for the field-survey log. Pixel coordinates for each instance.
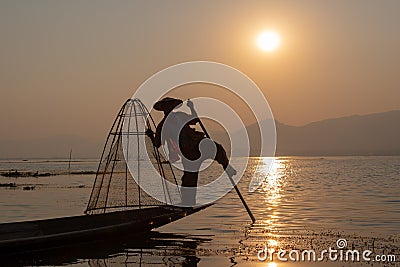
(191, 146)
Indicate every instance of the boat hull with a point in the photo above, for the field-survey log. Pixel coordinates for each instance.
(41, 234)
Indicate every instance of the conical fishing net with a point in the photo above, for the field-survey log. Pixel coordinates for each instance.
(132, 173)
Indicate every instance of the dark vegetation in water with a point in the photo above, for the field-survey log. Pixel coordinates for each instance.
(16, 173)
(11, 185)
(14, 186)
(82, 172)
(28, 187)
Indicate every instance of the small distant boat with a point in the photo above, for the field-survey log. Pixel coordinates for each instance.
(117, 203)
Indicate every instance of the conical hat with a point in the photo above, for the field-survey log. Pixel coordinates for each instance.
(167, 103)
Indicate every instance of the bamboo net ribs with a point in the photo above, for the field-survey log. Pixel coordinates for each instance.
(128, 160)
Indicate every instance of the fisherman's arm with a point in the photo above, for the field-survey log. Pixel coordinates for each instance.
(155, 137)
(195, 119)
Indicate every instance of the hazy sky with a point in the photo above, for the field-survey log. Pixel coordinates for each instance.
(66, 67)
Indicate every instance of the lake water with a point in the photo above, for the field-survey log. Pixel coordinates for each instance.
(304, 203)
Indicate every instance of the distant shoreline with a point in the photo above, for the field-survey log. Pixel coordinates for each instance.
(49, 159)
(58, 160)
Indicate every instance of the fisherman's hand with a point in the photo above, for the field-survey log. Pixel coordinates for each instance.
(189, 103)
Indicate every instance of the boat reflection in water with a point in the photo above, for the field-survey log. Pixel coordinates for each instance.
(153, 248)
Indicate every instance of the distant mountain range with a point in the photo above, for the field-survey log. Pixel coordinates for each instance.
(373, 134)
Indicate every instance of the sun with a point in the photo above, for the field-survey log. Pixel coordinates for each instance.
(268, 41)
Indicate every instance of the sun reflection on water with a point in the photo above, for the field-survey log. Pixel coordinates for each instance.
(272, 189)
(273, 243)
(270, 199)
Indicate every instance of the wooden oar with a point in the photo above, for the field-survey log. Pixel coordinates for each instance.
(230, 177)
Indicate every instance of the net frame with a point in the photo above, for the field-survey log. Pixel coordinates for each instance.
(113, 177)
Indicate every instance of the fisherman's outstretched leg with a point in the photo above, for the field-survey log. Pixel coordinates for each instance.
(222, 159)
(208, 147)
(189, 188)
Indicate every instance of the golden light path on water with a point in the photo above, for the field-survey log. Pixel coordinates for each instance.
(272, 190)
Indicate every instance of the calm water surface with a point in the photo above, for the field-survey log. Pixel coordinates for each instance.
(304, 203)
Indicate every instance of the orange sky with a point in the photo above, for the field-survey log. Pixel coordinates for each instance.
(66, 67)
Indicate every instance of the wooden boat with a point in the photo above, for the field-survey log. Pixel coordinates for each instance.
(30, 235)
(117, 204)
